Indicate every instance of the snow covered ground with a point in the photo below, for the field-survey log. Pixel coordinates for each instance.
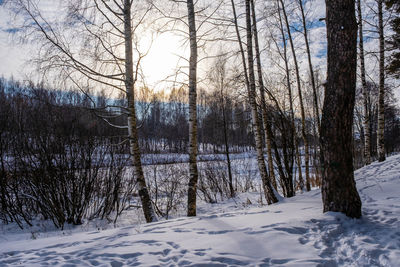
(293, 232)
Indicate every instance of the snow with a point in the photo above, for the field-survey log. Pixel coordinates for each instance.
(237, 232)
(168, 158)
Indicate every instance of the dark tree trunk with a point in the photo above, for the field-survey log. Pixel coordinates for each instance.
(226, 141)
(339, 192)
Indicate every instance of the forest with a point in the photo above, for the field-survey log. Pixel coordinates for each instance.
(259, 102)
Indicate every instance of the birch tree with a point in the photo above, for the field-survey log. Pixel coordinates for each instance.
(268, 190)
(366, 121)
(97, 45)
(193, 172)
(381, 101)
(310, 65)
(264, 113)
(293, 136)
(300, 95)
(251, 92)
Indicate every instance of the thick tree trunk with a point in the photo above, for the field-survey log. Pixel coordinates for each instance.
(264, 112)
(133, 134)
(193, 172)
(303, 119)
(381, 101)
(339, 192)
(268, 190)
(367, 134)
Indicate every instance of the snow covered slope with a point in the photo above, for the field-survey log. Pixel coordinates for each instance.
(293, 232)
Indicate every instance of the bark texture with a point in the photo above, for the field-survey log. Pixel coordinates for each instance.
(133, 134)
(381, 100)
(366, 121)
(193, 172)
(339, 192)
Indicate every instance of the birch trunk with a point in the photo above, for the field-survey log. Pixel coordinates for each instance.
(133, 134)
(312, 78)
(339, 192)
(381, 101)
(240, 45)
(367, 135)
(268, 189)
(310, 66)
(193, 172)
(289, 87)
(264, 113)
(303, 119)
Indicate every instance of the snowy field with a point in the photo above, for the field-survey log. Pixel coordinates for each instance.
(238, 232)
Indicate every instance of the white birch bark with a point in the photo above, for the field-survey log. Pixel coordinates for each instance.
(193, 172)
(366, 121)
(133, 134)
(381, 100)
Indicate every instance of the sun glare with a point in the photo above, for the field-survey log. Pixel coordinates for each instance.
(163, 59)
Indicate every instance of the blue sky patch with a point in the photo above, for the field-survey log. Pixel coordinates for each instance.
(11, 30)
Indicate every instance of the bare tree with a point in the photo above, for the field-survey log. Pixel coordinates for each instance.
(193, 172)
(251, 91)
(339, 192)
(302, 112)
(261, 87)
(99, 30)
(132, 128)
(293, 135)
(268, 190)
(366, 121)
(219, 78)
(310, 66)
(381, 101)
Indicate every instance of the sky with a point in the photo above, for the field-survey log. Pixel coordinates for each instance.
(164, 51)
(167, 50)
(11, 54)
